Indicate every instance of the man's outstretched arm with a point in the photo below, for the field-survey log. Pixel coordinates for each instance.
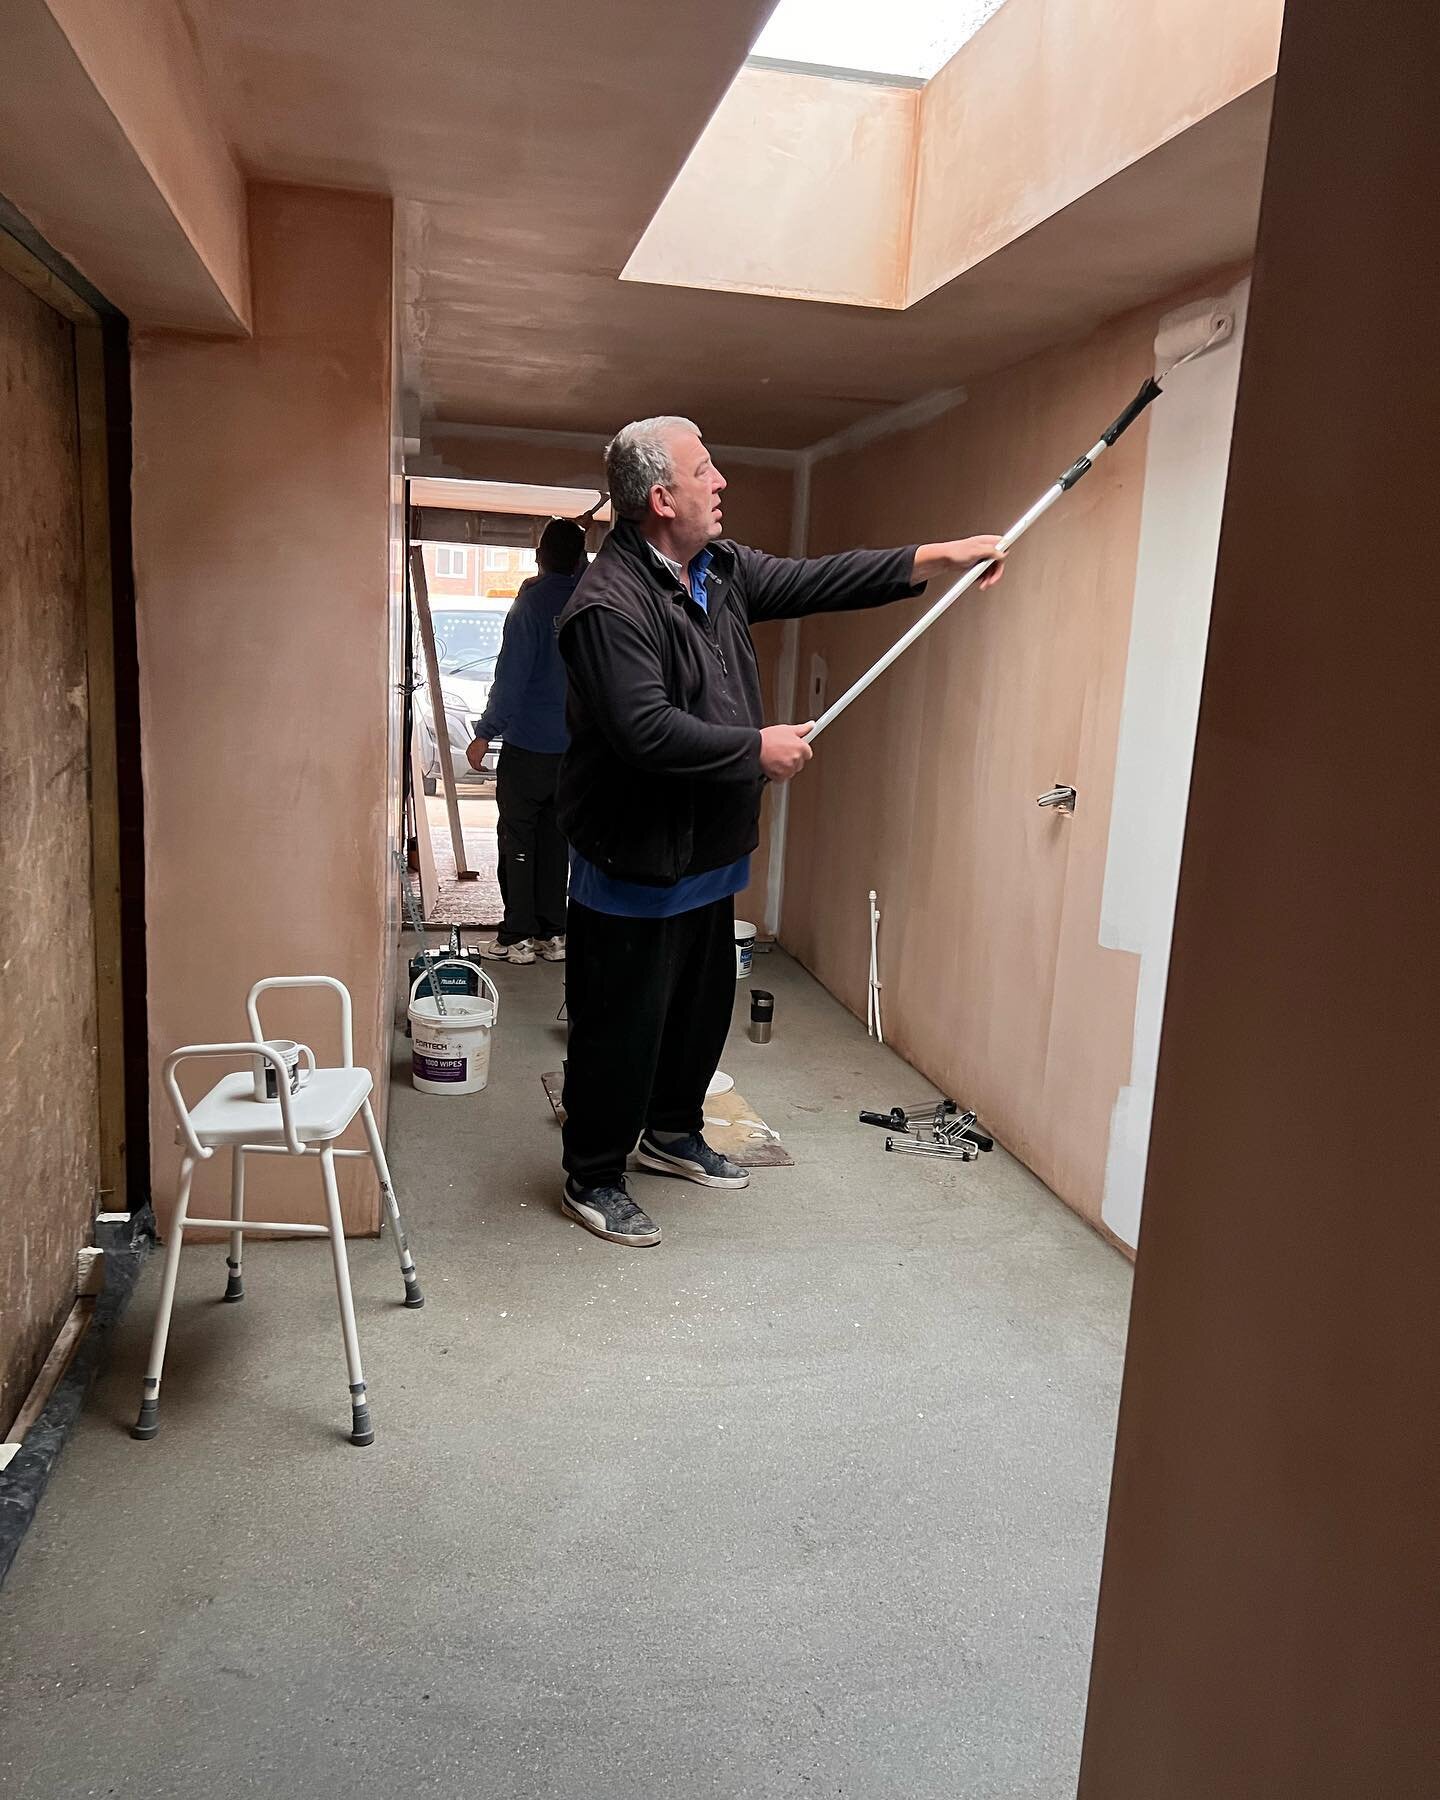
(779, 587)
(960, 555)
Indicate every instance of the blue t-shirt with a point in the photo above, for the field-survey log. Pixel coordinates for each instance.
(635, 899)
(527, 697)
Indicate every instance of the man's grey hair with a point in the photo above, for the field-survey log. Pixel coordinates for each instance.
(637, 460)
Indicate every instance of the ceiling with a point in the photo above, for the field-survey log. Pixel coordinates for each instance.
(533, 500)
(529, 146)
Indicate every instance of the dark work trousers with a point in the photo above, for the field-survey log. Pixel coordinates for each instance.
(534, 859)
(649, 1002)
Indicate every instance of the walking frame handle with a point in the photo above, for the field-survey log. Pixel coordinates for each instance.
(182, 1112)
(252, 1006)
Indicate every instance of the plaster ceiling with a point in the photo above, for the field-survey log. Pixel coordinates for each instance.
(529, 146)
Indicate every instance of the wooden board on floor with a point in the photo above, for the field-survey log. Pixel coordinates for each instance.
(62, 1354)
(732, 1126)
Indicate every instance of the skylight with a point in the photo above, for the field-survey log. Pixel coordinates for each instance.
(914, 38)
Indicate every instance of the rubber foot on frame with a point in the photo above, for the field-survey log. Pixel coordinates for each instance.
(362, 1431)
(148, 1424)
(413, 1296)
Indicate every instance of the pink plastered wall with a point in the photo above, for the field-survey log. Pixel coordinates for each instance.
(263, 516)
(804, 185)
(1053, 97)
(997, 987)
(1267, 1621)
(786, 155)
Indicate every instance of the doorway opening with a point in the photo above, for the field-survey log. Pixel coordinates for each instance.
(473, 550)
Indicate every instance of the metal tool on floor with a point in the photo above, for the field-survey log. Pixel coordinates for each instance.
(903, 1118)
(961, 1149)
(933, 1128)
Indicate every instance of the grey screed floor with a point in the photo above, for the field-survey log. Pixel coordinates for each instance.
(806, 1501)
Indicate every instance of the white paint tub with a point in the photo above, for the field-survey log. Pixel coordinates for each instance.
(744, 948)
(450, 1054)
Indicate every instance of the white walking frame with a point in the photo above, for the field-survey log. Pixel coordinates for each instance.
(306, 1123)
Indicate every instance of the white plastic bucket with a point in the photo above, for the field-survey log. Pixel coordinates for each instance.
(744, 948)
(451, 1054)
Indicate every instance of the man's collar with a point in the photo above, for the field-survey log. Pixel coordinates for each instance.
(665, 561)
(627, 533)
(699, 562)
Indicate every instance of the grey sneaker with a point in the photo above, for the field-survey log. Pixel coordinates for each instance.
(610, 1213)
(522, 951)
(692, 1159)
(552, 949)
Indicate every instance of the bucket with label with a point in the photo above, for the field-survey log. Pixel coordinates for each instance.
(450, 1051)
(744, 948)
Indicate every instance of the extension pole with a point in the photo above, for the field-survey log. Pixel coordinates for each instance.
(1150, 390)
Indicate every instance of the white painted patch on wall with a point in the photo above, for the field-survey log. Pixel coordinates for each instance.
(1186, 462)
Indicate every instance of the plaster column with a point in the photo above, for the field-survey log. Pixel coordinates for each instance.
(1268, 1623)
(262, 514)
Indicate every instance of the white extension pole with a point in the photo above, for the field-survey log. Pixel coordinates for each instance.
(942, 605)
(1208, 326)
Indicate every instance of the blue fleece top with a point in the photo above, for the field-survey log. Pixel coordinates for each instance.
(633, 899)
(527, 697)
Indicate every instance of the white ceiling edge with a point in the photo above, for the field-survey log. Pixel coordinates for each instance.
(533, 499)
(911, 38)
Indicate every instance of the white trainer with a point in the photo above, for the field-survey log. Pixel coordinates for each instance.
(553, 949)
(522, 951)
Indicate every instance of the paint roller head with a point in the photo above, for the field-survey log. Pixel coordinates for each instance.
(1191, 333)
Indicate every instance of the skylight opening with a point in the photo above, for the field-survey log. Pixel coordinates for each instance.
(910, 38)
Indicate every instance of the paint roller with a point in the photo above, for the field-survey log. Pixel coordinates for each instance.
(1189, 334)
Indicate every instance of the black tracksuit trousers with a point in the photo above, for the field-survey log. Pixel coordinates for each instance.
(649, 1003)
(534, 858)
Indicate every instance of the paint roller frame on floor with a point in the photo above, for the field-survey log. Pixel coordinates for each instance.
(1198, 329)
